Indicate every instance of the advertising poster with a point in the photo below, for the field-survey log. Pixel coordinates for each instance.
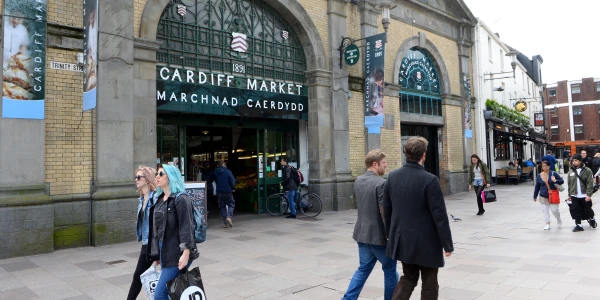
(374, 82)
(24, 61)
(539, 119)
(90, 53)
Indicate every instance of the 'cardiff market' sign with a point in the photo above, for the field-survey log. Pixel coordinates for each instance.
(219, 94)
(418, 72)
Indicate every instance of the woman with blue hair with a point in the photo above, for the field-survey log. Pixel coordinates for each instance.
(172, 226)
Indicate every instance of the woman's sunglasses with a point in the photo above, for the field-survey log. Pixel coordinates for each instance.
(138, 178)
(160, 174)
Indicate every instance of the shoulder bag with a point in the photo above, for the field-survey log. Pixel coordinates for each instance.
(553, 197)
(559, 187)
(584, 184)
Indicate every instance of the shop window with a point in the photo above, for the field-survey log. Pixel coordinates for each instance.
(575, 89)
(552, 92)
(501, 147)
(577, 110)
(518, 149)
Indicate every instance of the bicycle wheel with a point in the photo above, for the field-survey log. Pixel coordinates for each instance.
(310, 205)
(277, 204)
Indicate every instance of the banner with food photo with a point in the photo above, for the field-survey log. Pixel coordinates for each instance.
(24, 59)
(90, 53)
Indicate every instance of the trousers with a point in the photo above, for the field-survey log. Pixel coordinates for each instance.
(142, 265)
(429, 287)
(546, 208)
(478, 189)
(368, 256)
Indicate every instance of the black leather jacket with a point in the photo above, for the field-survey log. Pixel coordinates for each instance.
(287, 179)
(176, 230)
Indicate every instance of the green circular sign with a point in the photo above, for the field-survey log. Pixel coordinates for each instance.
(351, 55)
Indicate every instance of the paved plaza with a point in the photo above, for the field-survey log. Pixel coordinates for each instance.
(501, 255)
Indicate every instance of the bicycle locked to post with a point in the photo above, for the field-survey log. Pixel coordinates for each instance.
(308, 203)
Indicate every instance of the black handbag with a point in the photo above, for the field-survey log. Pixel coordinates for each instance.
(488, 196)
(188, 285)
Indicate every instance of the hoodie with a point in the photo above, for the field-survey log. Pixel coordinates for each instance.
(224, 180)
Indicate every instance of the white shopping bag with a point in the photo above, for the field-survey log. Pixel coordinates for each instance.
(150, 280)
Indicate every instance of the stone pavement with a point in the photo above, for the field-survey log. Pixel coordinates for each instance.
(501, 255)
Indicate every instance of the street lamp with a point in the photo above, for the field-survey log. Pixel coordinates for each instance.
(385, 21)
(513, 54)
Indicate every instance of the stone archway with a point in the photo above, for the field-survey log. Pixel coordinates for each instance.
(318, 78)
(422, 43)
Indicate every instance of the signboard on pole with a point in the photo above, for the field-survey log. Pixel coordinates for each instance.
(351, 55)
(24, 60)
(90, 53)
(539, 119)
(374, 82)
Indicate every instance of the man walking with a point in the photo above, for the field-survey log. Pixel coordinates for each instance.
(289, 186)
(369, 231)
(551, 159)
(581, 188)
(587, 161)
(416, 222)
(225, 184)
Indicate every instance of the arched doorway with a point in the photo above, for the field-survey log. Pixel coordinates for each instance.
(421, 103)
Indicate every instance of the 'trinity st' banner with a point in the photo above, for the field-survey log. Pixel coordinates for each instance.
(24, 60)
(90, 53)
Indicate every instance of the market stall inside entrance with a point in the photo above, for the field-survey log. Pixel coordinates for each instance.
(252, 154)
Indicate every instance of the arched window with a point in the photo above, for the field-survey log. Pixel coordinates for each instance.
(242, 37)
(420, 92)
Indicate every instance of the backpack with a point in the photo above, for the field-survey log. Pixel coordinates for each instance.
(199, 220)
(297, 175)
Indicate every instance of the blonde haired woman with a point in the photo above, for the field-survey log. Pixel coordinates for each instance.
(145, 181)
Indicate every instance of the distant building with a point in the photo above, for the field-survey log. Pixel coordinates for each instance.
(572, 115)
(498, 77)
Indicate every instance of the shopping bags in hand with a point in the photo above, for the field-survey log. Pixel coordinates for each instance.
(187, 286)
(488, 196)
(150, 280)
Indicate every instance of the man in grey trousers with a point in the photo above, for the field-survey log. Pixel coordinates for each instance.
(369, 231)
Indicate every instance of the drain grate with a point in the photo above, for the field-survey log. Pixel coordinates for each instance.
(114, 262)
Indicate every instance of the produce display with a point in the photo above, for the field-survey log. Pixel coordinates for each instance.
(246, 182)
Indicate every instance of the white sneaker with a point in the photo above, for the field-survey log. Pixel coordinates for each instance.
(547, 227)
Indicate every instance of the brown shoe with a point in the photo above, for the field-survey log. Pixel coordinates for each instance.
(229, 222)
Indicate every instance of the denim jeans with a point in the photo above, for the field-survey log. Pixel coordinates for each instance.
(167, 274)
(291, 195)
(368, 256)
(226, 205)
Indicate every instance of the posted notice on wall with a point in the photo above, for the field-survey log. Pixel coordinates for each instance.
(24, 60)
(90, 53)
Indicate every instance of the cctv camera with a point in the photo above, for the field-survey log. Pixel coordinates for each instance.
(499, 89)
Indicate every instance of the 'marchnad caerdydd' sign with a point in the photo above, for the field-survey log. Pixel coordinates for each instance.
(220, 94)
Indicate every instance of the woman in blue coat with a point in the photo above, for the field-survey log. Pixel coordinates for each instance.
(547, 179)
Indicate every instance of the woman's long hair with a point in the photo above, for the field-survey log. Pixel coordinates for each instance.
(478, 160)
(148, 174)
(176, 184)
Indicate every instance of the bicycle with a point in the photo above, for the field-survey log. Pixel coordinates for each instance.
(309, 203)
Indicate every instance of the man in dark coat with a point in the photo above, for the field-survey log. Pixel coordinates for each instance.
(225, 183)
(416, 222)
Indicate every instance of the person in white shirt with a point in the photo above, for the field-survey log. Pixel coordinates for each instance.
(16, 38)
(581, 188)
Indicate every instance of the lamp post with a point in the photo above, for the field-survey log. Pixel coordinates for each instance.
(385, 21)
(513, 54)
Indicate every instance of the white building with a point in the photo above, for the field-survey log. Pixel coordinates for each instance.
(502, 74)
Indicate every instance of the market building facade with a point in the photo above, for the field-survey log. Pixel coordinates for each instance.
(195, 81)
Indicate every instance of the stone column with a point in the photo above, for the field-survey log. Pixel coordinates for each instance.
(144, 103)
(464, 49)
(339, 108)
(115, 142)
(368, 27)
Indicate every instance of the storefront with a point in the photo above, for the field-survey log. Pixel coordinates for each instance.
(230, 92)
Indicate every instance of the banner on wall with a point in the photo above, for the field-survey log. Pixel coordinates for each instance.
(374, 82)
(24, 60)
(539, 119)
(90, 53)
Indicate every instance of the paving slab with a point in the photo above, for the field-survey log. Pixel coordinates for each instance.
(503, 255)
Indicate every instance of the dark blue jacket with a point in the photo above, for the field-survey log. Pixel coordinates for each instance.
(224, 180)
(540, 185)
(551, 159)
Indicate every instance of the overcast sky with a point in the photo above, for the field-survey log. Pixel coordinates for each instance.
(564, 33)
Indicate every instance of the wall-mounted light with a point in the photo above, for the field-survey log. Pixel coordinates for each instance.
(513, 54)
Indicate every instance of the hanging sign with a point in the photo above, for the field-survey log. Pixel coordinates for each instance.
(539, 119)
(90, 53)
(351, 55)
(520, 106)
(24, 60)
